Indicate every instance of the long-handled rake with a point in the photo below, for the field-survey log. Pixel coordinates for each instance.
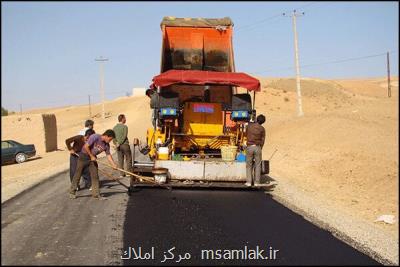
(147, 179)
(114, 179)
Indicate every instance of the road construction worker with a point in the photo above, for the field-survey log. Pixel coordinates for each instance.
(95, 145)
(122, 144)
(152, 94)
(77, 142)
(255, 143)
(88, 125)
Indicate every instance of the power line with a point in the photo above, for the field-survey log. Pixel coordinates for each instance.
(271, 18)
(256, 23)
(345, 60)
(331, 62)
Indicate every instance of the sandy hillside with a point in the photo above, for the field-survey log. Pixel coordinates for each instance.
(344, 150)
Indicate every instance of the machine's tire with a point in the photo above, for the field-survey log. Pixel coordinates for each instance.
(20, 157)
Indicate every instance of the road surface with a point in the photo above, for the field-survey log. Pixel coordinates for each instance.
(201, 227)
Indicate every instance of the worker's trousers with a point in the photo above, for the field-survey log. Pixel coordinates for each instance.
(73, 162)
(253, 163)
(84, 162)
(124, 153)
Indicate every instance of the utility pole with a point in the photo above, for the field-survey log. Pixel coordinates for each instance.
(388, 75)
(90, 108)
(296, 52)
(101, 60)
(20, 109)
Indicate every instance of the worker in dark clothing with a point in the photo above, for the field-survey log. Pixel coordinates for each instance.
(152, 94)
(77, 142)
(122, 144)
(95, 145)
(88, 125)
(255, 143)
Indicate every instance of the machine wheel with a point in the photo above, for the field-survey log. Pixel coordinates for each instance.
(20, 157)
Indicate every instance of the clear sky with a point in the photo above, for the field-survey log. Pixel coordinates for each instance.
(48, 48)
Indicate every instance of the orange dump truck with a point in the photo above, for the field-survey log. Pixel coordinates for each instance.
(197, 44)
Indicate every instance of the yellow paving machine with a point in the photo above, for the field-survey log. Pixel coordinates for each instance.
(200, 107)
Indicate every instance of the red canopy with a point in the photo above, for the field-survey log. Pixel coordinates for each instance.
(206, 77)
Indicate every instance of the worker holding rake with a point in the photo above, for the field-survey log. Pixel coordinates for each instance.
(78, 142)
(95, 145)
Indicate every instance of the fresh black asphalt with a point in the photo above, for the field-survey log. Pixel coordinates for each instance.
(194, 220)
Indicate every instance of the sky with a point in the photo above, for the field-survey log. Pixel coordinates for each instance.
(48, 49)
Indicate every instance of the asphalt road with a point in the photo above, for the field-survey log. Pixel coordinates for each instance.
(44, 227)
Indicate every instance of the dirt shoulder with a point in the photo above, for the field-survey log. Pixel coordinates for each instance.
(16, 178)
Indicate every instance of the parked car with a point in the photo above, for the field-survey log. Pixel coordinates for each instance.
(12, 151)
